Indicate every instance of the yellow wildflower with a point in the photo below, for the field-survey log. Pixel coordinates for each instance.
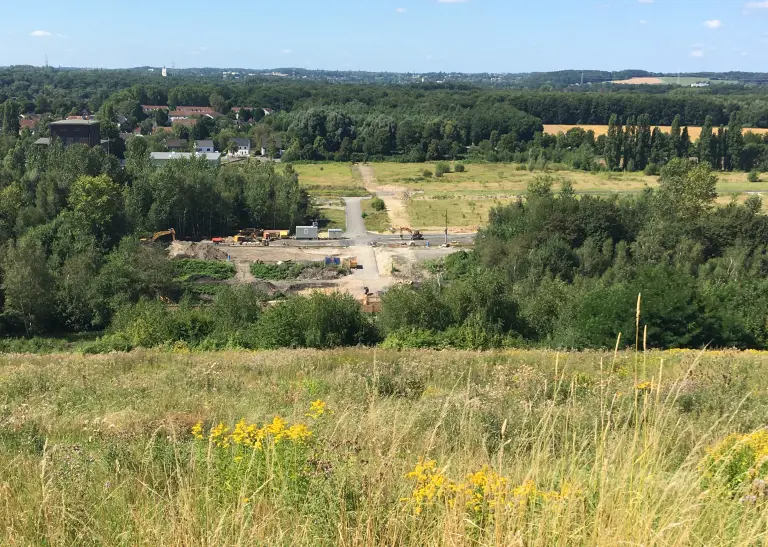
(316, 409)
(197, 430)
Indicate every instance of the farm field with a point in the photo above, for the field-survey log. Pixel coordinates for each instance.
(364, 447)
(693, 132)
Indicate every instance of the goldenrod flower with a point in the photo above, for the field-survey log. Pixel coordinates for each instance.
(316, 409)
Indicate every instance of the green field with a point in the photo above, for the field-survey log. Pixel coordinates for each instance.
(375, 221)
(334, 218)
(377, 447)
(466, 213)
(330, 180)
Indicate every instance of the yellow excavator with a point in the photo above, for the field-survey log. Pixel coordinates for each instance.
(416, 235)
(157, 235)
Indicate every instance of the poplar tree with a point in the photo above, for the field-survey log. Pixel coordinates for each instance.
(675, 138)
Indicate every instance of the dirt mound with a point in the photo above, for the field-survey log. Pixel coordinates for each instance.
(318, 273)
(204, 250)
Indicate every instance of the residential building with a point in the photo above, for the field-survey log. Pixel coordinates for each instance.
(29, 123)
(151, 109)
(177, 145)
(243, 147)
(204, 147)
(77, 131)
(265, 144)
(161, 158)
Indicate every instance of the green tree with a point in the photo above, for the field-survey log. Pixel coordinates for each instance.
(613, 143)
(28, 284)
(97, 202)
(707, 144)
(733, 159)
(643, 146)
(687, 190)
(11, 113)
(675, 139)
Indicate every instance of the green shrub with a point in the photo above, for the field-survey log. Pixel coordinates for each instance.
(427, 174)
(460, 168)
(190, 269)
(442, 168)
(377, 204)
(317, 321)
(753, 176)
(289, 270)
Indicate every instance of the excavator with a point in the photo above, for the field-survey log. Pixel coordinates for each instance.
(416, 235)
(157, 235)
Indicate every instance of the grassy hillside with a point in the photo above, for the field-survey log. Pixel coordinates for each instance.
(371, 447)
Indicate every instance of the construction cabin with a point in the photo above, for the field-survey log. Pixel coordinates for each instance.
(306, 232)
(334, 233)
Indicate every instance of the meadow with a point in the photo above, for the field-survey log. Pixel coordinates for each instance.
(330, 180)
(377, 447)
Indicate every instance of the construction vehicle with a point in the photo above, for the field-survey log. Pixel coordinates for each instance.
(157, 235)
(247, 235)
(416, 235)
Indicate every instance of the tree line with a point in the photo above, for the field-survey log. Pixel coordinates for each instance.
(70, 222)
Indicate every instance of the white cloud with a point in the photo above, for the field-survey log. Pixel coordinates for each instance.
(41, 34)
(401, 10)
(756, 5)
(452, 1)
(713, 24)
(643, 22)
(286, 51)
(645, 1)
(697, 53)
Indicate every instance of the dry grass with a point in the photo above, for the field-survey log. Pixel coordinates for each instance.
(593, 448)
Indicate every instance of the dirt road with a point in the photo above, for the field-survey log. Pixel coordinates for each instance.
(393, 196)
(355, 221)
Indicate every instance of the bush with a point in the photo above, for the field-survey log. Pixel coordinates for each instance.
(278, 272)
(427, 174)
(317, 321)
(652, 170)
(377, 204)
(460, 168)
(442, 168)
(190, 269)
(753, 176)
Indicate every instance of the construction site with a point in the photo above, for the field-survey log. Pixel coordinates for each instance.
(366, 266)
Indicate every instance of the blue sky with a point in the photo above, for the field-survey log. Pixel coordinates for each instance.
(396, 35)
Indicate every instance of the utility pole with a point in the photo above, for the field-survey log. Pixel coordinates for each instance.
(446, 226)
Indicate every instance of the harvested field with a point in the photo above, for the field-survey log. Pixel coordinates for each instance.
(694, 132)
(641, 81)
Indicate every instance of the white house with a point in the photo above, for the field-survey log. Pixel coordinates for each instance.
(204, 147)
(160, 158)
(243, 147)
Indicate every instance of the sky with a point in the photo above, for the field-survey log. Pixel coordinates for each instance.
(391, 35)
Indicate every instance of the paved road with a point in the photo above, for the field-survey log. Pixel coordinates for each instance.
(355, 221)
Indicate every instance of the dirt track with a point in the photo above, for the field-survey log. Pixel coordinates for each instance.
(393, 196)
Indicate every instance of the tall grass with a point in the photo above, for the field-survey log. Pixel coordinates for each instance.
(100, 450)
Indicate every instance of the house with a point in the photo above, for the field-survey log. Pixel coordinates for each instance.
(177, 145)
(265, 144)
(29, 123)
(243, 147)
(77, 131)
(237, 109)
(161, 158)
(700, 84)
(149, 109)
(204, 147)
(188, 122)
(196, 110)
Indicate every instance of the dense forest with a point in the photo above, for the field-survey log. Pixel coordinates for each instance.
(315, 121)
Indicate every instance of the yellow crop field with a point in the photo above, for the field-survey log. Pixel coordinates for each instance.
(694, 132)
